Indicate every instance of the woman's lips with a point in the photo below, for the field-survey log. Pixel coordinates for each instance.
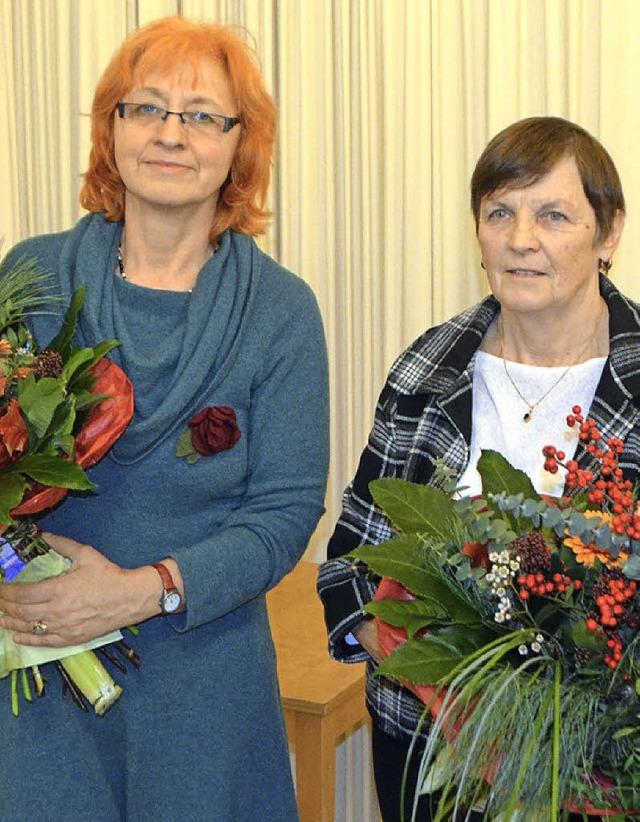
(525, 272)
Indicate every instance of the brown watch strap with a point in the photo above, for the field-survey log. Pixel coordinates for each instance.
(167, 580)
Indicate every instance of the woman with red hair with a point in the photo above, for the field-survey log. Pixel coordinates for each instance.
(210, 496)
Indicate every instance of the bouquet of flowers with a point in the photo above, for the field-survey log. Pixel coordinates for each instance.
(516, 619)
(61, 409)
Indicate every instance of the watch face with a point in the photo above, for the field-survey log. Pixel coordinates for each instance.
(171, 601)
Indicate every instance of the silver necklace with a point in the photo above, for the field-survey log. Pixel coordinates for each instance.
(123, 273)
(526, 417)
(121, 270)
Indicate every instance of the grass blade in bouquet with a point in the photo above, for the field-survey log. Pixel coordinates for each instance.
(61, 409)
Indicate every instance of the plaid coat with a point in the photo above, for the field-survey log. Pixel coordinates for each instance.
(423, 415)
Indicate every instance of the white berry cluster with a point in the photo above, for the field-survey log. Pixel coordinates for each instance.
(535, 645)
(504, 568)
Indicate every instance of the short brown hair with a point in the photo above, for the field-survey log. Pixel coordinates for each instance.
(525, 151)
(161, 45)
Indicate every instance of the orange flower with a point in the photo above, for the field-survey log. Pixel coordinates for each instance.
(587, 554)
(5, 348)
(14, 436)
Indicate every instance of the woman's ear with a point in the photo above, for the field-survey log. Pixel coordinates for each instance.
(610, 243)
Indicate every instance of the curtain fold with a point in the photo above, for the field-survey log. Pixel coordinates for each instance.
(384, 106)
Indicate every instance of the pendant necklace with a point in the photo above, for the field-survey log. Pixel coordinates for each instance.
(533, 405)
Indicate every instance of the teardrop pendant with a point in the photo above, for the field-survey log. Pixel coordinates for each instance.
(527, 417)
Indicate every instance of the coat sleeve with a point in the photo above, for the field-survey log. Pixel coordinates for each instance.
(343, 585)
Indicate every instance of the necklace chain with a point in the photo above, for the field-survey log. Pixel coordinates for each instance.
(121, 270)
(531, 406)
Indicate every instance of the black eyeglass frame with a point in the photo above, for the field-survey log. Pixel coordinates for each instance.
(229, 122)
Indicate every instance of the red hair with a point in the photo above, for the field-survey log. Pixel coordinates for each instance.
(161, 46)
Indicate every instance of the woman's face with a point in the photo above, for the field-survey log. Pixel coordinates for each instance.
(169, 164)
(538, 242)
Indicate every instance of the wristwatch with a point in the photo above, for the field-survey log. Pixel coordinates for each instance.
(171, 598)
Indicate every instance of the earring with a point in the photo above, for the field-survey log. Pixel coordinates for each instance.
(604, 266)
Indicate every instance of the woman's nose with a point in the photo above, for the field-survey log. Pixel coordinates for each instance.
(524, 233)
(171, 130)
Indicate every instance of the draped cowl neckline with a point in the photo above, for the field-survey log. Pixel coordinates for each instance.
(218, 315)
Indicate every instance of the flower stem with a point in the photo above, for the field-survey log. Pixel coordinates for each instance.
(38, 681)
(555, 751)
(91, 677)
(14, 693)
(26, 688)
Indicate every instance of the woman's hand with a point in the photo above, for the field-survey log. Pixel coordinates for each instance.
(95, 597)
(367, 635)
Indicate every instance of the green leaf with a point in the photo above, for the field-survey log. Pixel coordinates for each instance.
(427, 659)
(81, 357)
(12, 488)
(407, 560)
(55, 471)
(38, 402)
(184, 447)
(400, 558)
(103, 348)
(412, 614)
(59, 433)
(499, 476)
(584, 638)
(62, 342)
(414, 508)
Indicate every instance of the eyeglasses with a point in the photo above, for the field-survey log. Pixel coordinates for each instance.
(202, 121)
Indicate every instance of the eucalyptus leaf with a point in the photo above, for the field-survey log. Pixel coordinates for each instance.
(632, 567)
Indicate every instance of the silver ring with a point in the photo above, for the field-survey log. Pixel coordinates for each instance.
(40, 628)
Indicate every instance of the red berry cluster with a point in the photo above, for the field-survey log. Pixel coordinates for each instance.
(538, 584)
(612, 488)
(615, 592)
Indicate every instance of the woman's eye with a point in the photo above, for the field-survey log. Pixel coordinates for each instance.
(556, 216)
(201, 117)
(147, 109)
(497, 214)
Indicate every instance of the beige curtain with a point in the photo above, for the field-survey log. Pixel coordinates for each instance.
(384, 107)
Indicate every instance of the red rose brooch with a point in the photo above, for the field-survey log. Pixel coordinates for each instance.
(212, 430)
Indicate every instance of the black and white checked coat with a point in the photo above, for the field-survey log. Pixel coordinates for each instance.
(424, 414)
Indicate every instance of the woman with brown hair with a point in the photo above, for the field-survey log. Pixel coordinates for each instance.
(210, 496)
(555, 332)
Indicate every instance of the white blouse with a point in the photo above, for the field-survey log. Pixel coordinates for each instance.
(497, 417)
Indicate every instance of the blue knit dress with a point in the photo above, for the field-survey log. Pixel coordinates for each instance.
(199, 731)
